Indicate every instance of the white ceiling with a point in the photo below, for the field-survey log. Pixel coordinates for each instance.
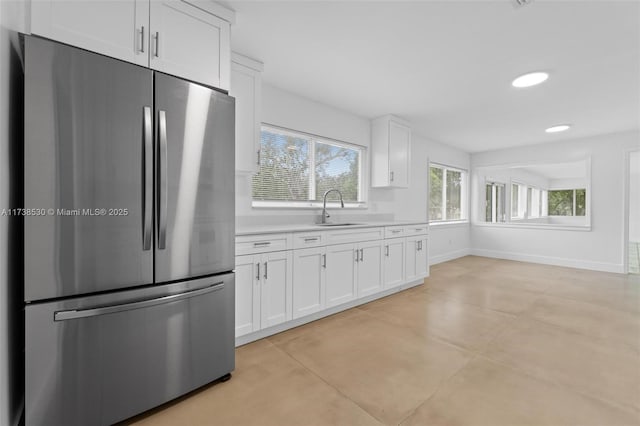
(447, 66)
(575, 170)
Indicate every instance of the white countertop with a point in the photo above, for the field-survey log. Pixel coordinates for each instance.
(301, 227)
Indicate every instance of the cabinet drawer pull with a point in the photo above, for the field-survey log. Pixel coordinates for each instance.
(308, 240)
(266, 274)
(391, 176)
(356, 253)
(262, 244)
(386, 250)
(324, 260)
(396, 231)
(258, 274)
(361, 255)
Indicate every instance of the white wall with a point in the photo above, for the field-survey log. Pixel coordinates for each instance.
(289, 110)
(601, 248)
(634, 197)
(285, 109)
(446, 242)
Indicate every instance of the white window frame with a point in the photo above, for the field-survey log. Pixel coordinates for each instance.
(495, 202)
(464, 205)
(523, 190)
(574, 204)
(311, 204)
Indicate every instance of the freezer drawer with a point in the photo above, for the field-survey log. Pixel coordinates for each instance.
(102, 359)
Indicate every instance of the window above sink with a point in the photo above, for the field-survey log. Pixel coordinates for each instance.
(296, 168)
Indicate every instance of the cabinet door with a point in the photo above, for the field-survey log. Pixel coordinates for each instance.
(308, 281)
(399, 148)
(370, 268)
(247, 294)
(119, 29)
(246, 87)
(394, 262)
(190, 43)
(341, 274)
(422, 258)
(276, 288)
(416, 258)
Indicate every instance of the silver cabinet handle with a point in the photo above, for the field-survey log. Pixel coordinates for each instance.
(361, 255)
(265, 271)
(103, 310)
(386, 250)
(308, 240)
(141, 49)
(157, 42)
(391, 176)
(258, 274)
(262, 244)
(163, 181)
(324, 260)
(396, 231)
(147, 184)
(356, 253)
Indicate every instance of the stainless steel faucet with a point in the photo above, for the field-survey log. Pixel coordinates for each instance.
(325, 214)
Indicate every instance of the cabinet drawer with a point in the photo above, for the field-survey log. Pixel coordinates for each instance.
(250, 244)
(419, 229)
(394, 231)
(309, 239)
(354, 235)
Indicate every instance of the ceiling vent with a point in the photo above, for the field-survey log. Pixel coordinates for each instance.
(520, 3)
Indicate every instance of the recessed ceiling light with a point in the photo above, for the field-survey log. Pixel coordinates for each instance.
(558, 128)
(530, 79)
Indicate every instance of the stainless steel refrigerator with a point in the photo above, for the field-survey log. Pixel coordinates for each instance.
(128, 236)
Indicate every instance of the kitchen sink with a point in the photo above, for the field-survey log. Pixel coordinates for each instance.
(338, 224)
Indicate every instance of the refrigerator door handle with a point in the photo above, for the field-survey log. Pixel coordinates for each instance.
(103, 310)
(162, 180)
(147, 185)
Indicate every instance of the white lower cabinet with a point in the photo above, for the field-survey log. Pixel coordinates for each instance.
(283, 277)
(247, 294)
(394, 262)
(263, 291)
(417, 257)
(324, 277)
(369, 275)
(342, 260)
(309, 280)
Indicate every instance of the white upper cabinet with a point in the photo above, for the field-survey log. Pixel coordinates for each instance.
(246, 87)
(190, 43)
(114, 28)
(172, 36)
(390, 152)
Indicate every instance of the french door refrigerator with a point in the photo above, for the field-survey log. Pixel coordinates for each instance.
(129, 243)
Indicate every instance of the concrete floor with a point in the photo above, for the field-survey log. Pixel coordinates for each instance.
(483, 342)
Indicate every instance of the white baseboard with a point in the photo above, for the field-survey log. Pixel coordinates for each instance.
(434, 260)
(549, 260)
